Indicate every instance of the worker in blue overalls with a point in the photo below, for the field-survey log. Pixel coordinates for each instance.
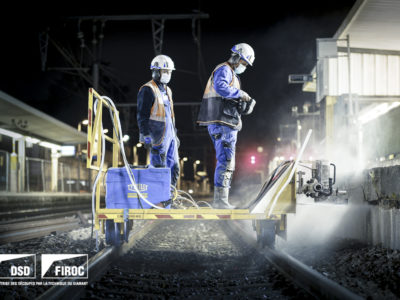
(222, 106)
(156, 120)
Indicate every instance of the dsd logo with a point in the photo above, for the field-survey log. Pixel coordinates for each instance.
(17, 266)
(55, 266)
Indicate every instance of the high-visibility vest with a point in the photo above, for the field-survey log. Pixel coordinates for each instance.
(216, 109)
(157, 112)
(210, 92)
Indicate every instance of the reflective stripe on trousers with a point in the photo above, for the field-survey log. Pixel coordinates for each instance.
(224, 140)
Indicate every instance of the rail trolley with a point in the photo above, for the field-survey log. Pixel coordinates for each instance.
(268, 211)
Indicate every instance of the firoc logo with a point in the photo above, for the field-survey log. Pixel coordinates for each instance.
(17, 266)
(55, 266)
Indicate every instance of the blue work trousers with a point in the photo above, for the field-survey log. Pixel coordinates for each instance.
(166, 153)
(224, 140)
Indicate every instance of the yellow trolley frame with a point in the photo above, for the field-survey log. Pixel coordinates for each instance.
(286, 202)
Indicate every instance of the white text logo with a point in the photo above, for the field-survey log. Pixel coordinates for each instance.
(56, 266)
(17, 266)
(140, 186)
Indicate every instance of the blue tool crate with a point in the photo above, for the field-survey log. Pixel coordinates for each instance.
(153, 183)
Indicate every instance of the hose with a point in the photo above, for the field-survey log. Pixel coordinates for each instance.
(206, 203)
(190, 201)
(119, 135)
(187, 194)
(175, 193)
(128, 169)
(291, 172)
(279, 170)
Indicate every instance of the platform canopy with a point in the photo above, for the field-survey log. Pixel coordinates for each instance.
(21, 118)
(372, 24)
(373, 27)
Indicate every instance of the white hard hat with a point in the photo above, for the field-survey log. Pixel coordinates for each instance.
(162, 62)
(245, 51)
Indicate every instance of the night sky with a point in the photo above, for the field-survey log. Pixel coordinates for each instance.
(283, 36)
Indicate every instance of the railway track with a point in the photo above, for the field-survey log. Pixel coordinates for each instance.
(16, 230)
(97, 265)
(29, 205)
(210, 259)
(312, 281)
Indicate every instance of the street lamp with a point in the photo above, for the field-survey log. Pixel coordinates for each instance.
(183, 160)
(182, 172)
(79, 155)
(135, 154)
(83, 122)
(195, 164)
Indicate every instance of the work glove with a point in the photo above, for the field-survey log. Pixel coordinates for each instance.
(147, 141)
(249, 107)
(244, 96)
(246, 108)
(178, 142)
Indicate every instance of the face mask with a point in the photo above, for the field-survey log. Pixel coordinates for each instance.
(165, 78)
(240, 69)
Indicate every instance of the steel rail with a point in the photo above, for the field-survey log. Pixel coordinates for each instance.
(22, 231)
(97, 265)
(25, 224)
(23, 213)
(68, 213)
(310, 280)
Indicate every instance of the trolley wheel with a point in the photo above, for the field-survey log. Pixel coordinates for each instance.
(127, 229)
(113, 235)
(109, 231)
(117, 241)
(266, 233)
